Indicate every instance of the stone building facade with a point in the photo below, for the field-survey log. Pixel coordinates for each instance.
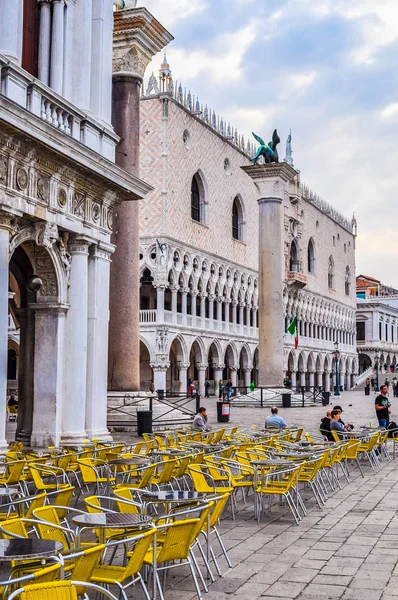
(199, 237)
(59, 186)
(377, 332)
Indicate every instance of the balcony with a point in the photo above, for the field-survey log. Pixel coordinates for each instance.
(297, 278)
(31, 94)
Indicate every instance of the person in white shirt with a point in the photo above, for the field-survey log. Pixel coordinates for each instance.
(274, 420)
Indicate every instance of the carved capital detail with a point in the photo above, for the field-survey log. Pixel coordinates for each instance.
(133, 61)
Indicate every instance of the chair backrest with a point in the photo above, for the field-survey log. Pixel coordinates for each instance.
(125, 506)
(63, 498)
(45, 529)
(59, 590)
(218, 508)
(15, 472)
(83, 566)
(199, 480)
(177, 540)
(37, 478)
(87, 469)
(93, 504)
(146, 476)
(165, 470)
(36, 502)
(13, 528)
(139, 551)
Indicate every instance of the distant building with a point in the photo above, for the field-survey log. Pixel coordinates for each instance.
(199, 256)
(368, 287)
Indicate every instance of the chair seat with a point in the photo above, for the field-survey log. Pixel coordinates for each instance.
(108, 574)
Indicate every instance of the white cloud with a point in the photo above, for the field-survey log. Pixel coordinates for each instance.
(303, 80)
(389, 111)
(167, 12)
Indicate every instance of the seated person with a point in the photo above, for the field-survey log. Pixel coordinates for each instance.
(335, 424)
(274, 420)
(324, 427)
(200, 420)
(340, 410)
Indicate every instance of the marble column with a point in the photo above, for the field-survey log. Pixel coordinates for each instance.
(159, 376)
(311, 379)
(44, 41)
(57, 47)
(101, 60)
(51, 400)
(201, 378)
(302, 379)
(4, 276)
(26, 318)
(74, 409)
(174, 305)
(124, 367)
(203, 310)
(233, 372)
(347, 381)
(160, 303)
(219, 314)
(248, 310)
(69, 26)
(184, 306)
(293, 378)
(241, 322)
(272, 183)
(342, 379)
(327, 381)
(82, 41)
(183, 371)
(218, 369)
(97, 341)
(193, 306)
(11, 26)
(319, 375)
(234, 304)
(247, 377)
(211, 311)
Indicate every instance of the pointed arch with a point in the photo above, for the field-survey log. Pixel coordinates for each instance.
(294, 256)
(311, 256)
(331, 273)
(199, 198)
(238, 219)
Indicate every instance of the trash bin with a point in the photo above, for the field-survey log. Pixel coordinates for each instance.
(286, 400)
(144, 422)
(367, 390)
(160, 396)
(223, 412)
(325, 398)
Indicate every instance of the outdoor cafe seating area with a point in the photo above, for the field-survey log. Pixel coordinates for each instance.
(119, 521)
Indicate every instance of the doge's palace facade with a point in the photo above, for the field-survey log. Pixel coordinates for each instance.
(59, 186)
(199, 236)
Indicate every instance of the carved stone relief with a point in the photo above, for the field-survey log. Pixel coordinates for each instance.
(161, 338)
(43, 188)
(3, 170)
(96, 212)
(46, 234)
(78, 206)
(131, 61)
(62, 197)
(22, 178)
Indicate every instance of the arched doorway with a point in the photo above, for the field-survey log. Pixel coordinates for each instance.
(364, 362)
(176, 373)
(146, 372)
(254, 373)
(197, 366)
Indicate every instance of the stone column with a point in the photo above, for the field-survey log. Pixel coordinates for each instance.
(101, 59)
(49, 400)
(183, 377)
(327, 381)
(248, 309)
(342, 379)
(242, 326)
(319, 378)
(97, 341)
(312, 379)
(174, 305)
(272, 182)
(211, 311)
(193, 307)
(44, 41)
(74, 410)
(184, 306)
(203, 310)
(57, 47)
(83, 12)
(160, 303)
(11, 19)
(134, 47)
(159, 376)
(247, 376)
(293, 378)
(347, 381)
(26, 373)
(302, 379)
(233, 371)
(234, 304)
(219, 313)
(218, 369)
(4, 275)
(201, 378)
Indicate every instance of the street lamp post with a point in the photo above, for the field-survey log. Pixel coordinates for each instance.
(377, 358)
(336, 353)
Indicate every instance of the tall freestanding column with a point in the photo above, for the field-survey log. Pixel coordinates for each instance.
(4, 258)
(137, 38)
(271, 181)
(11, 16)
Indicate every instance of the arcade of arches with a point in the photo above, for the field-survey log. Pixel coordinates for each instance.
(309, 369)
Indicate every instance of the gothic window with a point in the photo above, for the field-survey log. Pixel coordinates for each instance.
(347, 284)
(198, 201)
(294, 261)
(331, 273)
(237, 220)
(311, 256)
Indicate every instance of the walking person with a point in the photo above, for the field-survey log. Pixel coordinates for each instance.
(229, 388)
(220, 389)
(382, 407)
(207, 387)
(372, 383)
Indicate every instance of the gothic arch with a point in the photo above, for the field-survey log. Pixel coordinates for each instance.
(198, 343)
(216, 344)
(181, 348)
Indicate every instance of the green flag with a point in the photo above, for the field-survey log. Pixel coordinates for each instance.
(293, 326)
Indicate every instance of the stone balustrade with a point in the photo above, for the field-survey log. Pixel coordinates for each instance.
(31, 94)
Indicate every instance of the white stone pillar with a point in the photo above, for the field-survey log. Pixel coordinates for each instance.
(97, 341)
(49, 397)
(203, 310)
(218, 369)
(327, 381)
(319, 378)
(201, 378)
(347, 381)
(241, 308)
(183, 377)
(211, 311)
(160, 304)
(11, 26)
(69, 24)
(174, 305)
(248, 310)
(44, 41)
(342, 379)
(101, 63)
(302, 379)
(247, 374)
(233, 372)
(293, 379)
(193, 307)
(159, 376)
(184, 306)
(312, 379)
(219, 314)
(4, 277)
(81, 66)
(234, 305)
(57, 47)
(74, 409)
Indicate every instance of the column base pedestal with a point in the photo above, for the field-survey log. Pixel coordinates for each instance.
(74, 439)
(102, 435)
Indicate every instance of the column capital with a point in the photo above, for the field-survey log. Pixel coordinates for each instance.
(79, 244)
(184, 365)
(159, 367)
(7, 221)
(234, 367)
(102, 250)
(218, 367)
(201, 366)
(247, 369)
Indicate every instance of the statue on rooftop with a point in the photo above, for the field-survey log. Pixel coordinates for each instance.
(269, 150)
(288, 158)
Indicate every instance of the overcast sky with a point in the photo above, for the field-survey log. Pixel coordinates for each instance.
(327, 69)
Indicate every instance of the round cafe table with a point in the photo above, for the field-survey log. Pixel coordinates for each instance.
(169, 497)
(27, 549)
(109, 520)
